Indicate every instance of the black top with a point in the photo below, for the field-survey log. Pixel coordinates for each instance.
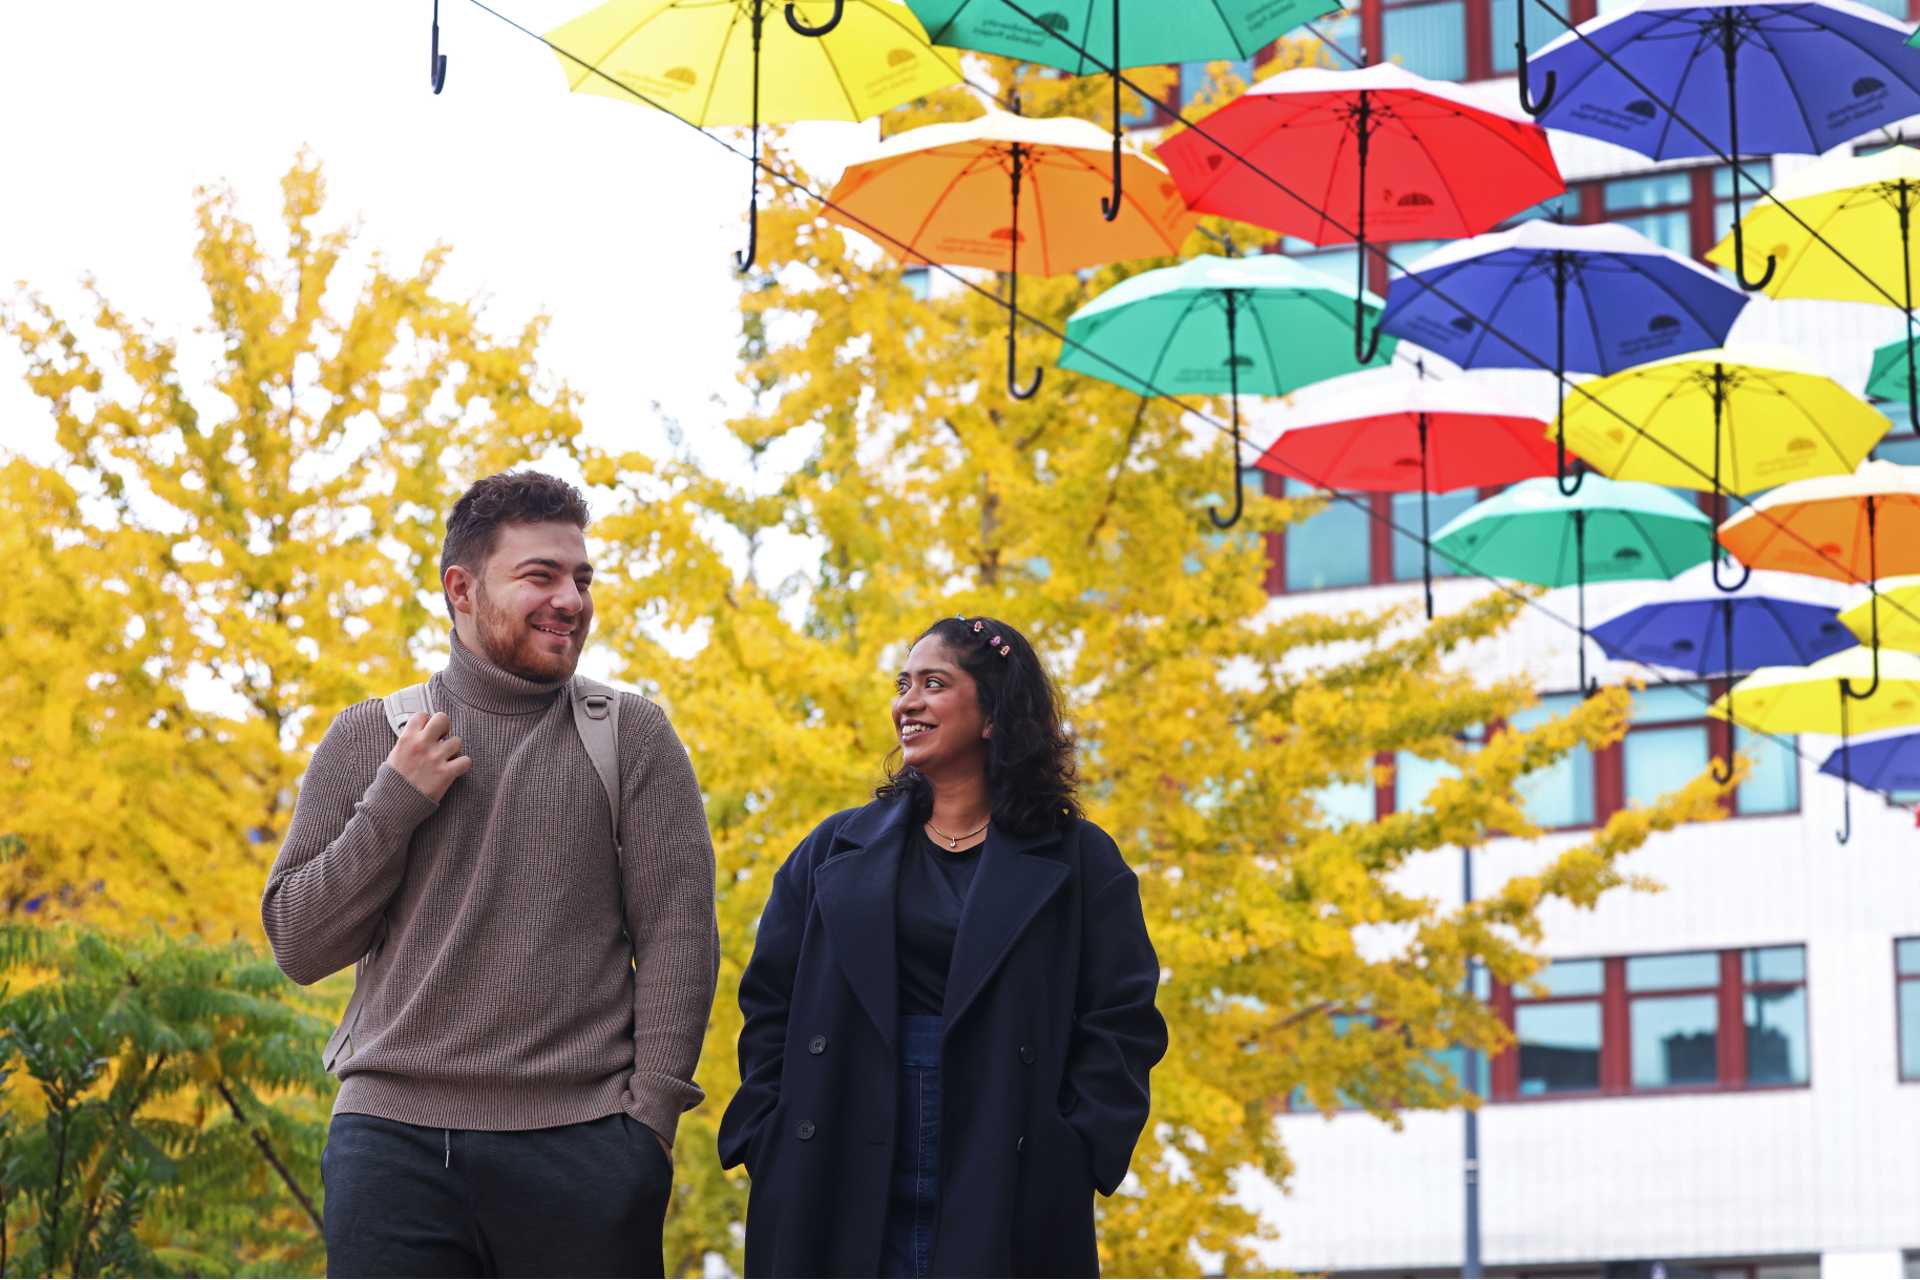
(933, 888)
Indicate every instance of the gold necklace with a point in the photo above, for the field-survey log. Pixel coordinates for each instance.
(953, 842)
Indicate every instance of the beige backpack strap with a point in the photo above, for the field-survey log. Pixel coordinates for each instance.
(403, 705)
(596, 718)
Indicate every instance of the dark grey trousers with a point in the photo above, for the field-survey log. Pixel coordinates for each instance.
(580, 1200)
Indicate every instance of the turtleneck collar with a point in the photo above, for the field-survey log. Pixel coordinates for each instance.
(475, 681)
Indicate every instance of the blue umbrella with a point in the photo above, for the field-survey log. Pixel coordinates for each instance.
(1590, 299)
(1773, 620)
(1800, 77)
(1885, 764)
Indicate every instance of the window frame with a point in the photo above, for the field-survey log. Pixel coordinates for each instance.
(1616, 1029)
(1899, 982)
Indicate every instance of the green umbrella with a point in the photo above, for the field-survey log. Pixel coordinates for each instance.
(1610, 531)
(1262, 326)
(1888, 381)
(1138, 33)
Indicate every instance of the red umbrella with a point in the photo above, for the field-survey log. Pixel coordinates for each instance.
(1397, 431)
(1418, 156)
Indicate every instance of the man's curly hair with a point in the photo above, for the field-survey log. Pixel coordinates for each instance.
(1031, 780)
(511, 497)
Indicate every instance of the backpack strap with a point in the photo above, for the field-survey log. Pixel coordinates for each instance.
(403, 705)
(596, 718)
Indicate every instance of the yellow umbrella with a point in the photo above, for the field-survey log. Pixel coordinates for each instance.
(1899, 632)
(951, 193)
(701, 60)
(1819, 699)
(1862, 204)
(1730, 418)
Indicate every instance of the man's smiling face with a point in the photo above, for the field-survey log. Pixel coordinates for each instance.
(532, 603)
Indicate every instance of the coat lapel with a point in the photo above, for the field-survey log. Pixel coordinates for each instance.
(854, 888)
(1014, 881)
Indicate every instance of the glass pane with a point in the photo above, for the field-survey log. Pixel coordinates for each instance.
(1428, 39)
(1660, 760)
(1570, 978)
(1559, 1047)
(1331, 549)
(1671, 231)
(1665, 703)
(918, 280)
(1415, 778)
(1400, 257)
(1892, 8)
(1902, 449)
(1775, 964)
(1675, 1041)
(1451, 1064)
(1341, 30)
(1566, 205)
(1441, 507)
(1541, 28)
(1777, 1036)
(1654, 191)
(1561, 795)
(1773, 783)
(1345, 802)
(1760, 171)
(1906, 956)
(1196, 80)
(1674, 973)
(1910, 1031)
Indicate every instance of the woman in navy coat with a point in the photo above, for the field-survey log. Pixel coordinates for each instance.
(949, 1013)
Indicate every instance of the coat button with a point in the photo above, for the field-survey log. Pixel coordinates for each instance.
(804, 1131)
(817, 1045)
(1026, 1054)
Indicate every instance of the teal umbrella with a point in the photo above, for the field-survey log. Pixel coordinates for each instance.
(1888, 381)
(1070, 34)
(1263, 326)
(1610, 531)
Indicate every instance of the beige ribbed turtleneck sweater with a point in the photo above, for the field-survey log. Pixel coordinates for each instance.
(500, 997)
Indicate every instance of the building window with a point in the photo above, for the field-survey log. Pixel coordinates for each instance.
(1357, 543)
(1906, 968)
(1657, 205)
(919, 281)
(1562, 794)
(1332, 548)
(1542, 29)
(1427, 37)
(1720, 1020)
(1197, 84)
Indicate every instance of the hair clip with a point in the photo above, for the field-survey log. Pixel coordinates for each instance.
(1005, 649)
(994, 643)
(978, 624)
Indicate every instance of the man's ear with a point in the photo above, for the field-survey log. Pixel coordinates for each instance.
(459, 583)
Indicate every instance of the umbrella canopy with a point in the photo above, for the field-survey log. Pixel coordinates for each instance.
(1798, 77)
(1610, 531)
(1822, 527)
(1262, 325)
(1729, 419)
(1593, 299)
(1778, 620)
(1147, 31)
(1885, 764)
(1861, 206)
(952, 193)
(1396, 431)
(1900, 629)
(1424, 158)
(1805, 76)
(702, 61)
(1888, 381)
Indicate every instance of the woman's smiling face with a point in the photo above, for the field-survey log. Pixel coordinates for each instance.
(936, 712)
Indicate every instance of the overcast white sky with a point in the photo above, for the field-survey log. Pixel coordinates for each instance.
(618, 221)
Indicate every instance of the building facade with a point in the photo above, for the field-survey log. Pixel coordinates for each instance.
(1722, 1079)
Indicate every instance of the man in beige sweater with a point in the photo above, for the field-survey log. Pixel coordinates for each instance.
(511, 1068)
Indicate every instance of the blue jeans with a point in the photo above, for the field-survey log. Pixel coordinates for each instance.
(914, 1195)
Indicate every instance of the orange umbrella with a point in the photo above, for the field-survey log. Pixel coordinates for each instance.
(951, 193)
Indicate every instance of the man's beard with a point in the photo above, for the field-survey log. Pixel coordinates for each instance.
(511, 644)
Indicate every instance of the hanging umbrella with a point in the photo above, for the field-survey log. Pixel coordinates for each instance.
(1432, 161)
(1139, 33)
(1396, 430)
(1776, 620)
(701, 60)
(1852, 528)
(1744, 418)
(1161, 331)
(1864, 205)
(1820, 699)
(1797, 77)
(1902, 630)
(951, 193)
(1890, 765)
(1587, 299)
(1611, 531)
(1889, 380)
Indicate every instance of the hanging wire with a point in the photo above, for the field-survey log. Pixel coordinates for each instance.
(1788, 743)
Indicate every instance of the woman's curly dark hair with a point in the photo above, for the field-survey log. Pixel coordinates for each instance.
(1030, 757)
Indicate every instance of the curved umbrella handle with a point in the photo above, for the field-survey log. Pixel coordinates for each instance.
(1239, 492)
(1724, 775)
(1528, 105)
(1740, 261)
(1365, 347)
(1746, 571)
(1233, 393)
(436, 60)
(1110, 206)
(1845, 833)
(1560, 467)
(801, 28)
(1873, 589)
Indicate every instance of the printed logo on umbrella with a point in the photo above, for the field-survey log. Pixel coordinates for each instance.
(1869, 94)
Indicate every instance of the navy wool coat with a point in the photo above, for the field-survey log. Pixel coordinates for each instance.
(1050, 1032)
